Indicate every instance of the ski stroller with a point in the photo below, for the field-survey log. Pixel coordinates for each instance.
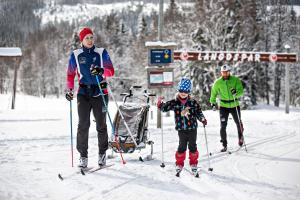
(135, 110)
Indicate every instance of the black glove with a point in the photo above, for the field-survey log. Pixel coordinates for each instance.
(96, 70)
(69, 95)
(103, 85)
(233, 91)
(214, 106)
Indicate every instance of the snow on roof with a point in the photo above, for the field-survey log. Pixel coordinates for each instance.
(160, 44)
(10, 51)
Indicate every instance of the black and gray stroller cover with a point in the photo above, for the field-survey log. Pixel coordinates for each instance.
(136, 120)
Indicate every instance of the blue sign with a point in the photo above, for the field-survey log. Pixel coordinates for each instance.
(160, 56)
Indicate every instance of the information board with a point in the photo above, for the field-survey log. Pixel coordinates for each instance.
(160, 77)
(160, 57)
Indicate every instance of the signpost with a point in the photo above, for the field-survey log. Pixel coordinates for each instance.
(159, 75)
(11, 52)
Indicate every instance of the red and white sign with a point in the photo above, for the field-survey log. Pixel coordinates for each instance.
(273, 57)
(184, 55)
(230, 56)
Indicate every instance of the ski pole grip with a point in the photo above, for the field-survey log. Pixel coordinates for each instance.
(136, 86)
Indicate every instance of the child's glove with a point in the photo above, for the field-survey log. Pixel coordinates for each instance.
(204, 121)
(159, 102)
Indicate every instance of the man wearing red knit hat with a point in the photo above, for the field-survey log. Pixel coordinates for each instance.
(90, 64)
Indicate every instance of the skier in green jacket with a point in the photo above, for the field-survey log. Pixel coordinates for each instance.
(228, 88)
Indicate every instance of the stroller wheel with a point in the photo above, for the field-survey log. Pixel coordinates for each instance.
(149, 157)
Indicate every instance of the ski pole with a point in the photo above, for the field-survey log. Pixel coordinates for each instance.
(104, 102)
(112, 126)
(71, 133)
(208, 159)
(240, 123)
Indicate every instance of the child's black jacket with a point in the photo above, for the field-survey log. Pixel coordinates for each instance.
(186, 114)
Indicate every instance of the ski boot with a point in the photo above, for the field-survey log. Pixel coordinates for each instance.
(102, 159)
(83, 162)
(194, 170)
(241, 141)
(178, 169)
(224, 149)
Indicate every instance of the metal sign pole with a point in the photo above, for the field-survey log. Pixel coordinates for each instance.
(158, 111)
(160, 27)
(287, 84)
(160, 19)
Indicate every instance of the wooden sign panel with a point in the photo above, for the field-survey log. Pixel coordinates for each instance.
(227, 56)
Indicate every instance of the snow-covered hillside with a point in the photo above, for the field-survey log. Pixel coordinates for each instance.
(35, 147)
(84, 12)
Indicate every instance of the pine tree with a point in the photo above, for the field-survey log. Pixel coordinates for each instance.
(294, 42)
(279, 23)
(265, 32)
(76, 41)
(17, 22)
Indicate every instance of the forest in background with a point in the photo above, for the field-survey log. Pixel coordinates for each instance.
(229, 25)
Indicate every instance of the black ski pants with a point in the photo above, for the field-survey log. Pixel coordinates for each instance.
(187, 138)
(84, 105)
(224, 113)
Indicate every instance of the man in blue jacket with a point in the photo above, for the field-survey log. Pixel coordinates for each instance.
(87, 63)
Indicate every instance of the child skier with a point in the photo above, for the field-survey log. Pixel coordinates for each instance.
(187, 111)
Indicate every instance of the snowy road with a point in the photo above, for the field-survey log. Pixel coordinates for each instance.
(35, 147)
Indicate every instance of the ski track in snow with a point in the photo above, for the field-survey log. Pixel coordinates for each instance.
(35, 147)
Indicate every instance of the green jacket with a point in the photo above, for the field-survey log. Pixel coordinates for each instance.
(222, 88)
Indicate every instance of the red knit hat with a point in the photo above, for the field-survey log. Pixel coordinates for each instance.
(84, 32)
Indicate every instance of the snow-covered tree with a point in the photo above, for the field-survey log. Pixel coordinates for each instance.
(293, 40)
(223, 26)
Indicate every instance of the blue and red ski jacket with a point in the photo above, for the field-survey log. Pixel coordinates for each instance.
(79, 64)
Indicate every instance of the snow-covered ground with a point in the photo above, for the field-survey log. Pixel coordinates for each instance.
(35, 147)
